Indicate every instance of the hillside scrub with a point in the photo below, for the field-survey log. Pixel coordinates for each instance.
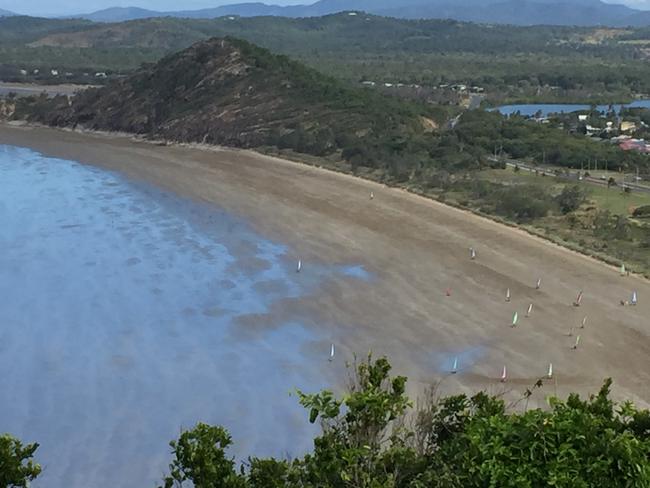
(373, 437)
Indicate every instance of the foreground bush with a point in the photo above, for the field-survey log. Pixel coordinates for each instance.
(16, 466)
(373, 438)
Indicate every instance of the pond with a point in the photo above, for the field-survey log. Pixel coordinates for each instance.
(530, 109)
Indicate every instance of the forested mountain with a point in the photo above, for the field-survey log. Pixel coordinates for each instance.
(546, 62)
(518, 12)
(230, 92)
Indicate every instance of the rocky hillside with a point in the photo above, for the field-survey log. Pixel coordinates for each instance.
(230, 92)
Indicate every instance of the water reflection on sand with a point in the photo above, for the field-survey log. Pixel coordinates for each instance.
(127, 312)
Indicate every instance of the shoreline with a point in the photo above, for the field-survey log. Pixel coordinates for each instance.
(416, 248)
(528, 230)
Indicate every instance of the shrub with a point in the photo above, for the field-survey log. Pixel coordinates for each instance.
(570, 199)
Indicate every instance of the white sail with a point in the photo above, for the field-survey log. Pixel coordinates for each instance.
(454, 368)
(530, 310)
(472, 253)
(575, 346)
(504, 375)
(508, 295)
(515, 318)
(550, 371)
(332, 352)
(578, 299)
(584, 322)
(634, 298)
(538, 285)
(299, 266)
(372, 195)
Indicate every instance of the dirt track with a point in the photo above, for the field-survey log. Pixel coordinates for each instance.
(416, 249)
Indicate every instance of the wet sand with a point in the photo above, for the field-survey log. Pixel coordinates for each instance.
(416, 249)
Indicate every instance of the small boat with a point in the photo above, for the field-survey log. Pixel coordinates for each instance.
(508, 295)
(575, 346)
(515, 318)
(549, 375)
(504, 375)
(633, 301)
(299, 266)
(530, 310)
(538, 285)
(454, 368)
(584, 322)
(331, 353)
(578, 299)
(372, 195)
(472, 253)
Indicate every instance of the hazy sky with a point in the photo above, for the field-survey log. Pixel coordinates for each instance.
(63, 7)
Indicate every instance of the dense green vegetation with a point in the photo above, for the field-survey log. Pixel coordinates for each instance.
(17, 467)
(373, 437)
(542, 62)
(550, 144)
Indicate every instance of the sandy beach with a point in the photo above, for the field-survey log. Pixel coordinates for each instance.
(416, 250)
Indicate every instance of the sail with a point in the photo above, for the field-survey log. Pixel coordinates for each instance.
(634, 298)
(454, 368)
(508, 295)
(578, 299)
(332, 352)
(538, 285)
(504, 374)
(515, 317)
(530, 310)
(575, 346)
(550, 370)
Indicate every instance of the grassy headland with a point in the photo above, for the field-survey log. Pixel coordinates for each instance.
(230, 92)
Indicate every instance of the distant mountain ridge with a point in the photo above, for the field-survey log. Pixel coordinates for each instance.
(6, 13)
(517, 12)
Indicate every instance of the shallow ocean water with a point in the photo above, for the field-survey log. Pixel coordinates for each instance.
(128, 313)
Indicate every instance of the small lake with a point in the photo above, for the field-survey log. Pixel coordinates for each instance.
(127, 313)
(529, 110)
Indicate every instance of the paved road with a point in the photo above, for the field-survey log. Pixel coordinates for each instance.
(28, 89)
(571, 176)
